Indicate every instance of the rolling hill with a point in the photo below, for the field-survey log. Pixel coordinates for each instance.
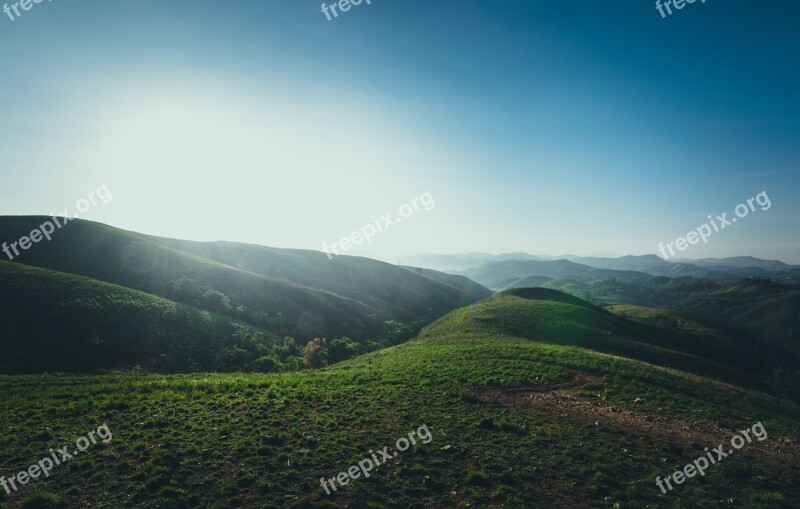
(174, 306)
(519, 415)
(500, 275)
(53, 321)
(762, 309)
(288, 292)
(554, 317)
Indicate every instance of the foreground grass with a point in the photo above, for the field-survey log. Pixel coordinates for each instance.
(223, 441)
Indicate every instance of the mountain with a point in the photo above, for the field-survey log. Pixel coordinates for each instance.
(501, 275)
(743, 262)
(718, 269)
(282, 292)
(471, 290)
(635, 263)
(530, 282)
(724, 269)
(458, 262)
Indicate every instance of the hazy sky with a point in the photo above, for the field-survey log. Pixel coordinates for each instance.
(560, 126)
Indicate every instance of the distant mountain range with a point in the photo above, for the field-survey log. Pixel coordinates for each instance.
(740, 262)
(507, 270)
(461, 261)
(500, 275)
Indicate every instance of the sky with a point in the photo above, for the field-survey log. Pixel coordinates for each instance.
(550, 127)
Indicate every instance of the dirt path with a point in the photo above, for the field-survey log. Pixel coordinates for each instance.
(561, 400)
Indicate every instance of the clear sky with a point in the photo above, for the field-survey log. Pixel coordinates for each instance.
(561, 126)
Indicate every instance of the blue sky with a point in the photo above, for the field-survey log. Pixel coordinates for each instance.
(549, 127)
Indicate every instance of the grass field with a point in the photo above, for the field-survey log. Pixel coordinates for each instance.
(515, 423)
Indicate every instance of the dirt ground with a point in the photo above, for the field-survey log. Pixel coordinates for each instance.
(562, 400)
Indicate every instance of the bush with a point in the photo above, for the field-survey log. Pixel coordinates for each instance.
(216, 301)
(312, 354)
(42, 501)
(265, 364)
(339, 350)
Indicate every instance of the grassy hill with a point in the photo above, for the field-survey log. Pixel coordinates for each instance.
(288, 292)
(361, 279)
(60, 322)
(764, 309)
(520, 417)
(551, 316)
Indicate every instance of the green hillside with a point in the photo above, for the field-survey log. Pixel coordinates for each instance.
(514, 423)
(53, 321)
(551, 316)
(764, 309)
(59, 322)
(361, 279)
(767, 310)
(290, 292)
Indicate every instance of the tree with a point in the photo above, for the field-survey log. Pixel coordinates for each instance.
(265, 364)
(312, 354)
(339, 350)
(396, 332)
(216, 301)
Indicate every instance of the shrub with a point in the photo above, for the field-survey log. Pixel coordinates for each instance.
(311, 354)
(42, 501)
(265, 364)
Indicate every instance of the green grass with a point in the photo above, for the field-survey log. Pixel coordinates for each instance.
(212, 440)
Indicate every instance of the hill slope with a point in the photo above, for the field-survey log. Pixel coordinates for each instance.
(298, 293)
(554, 317)
(53, 321)
(513, 423)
